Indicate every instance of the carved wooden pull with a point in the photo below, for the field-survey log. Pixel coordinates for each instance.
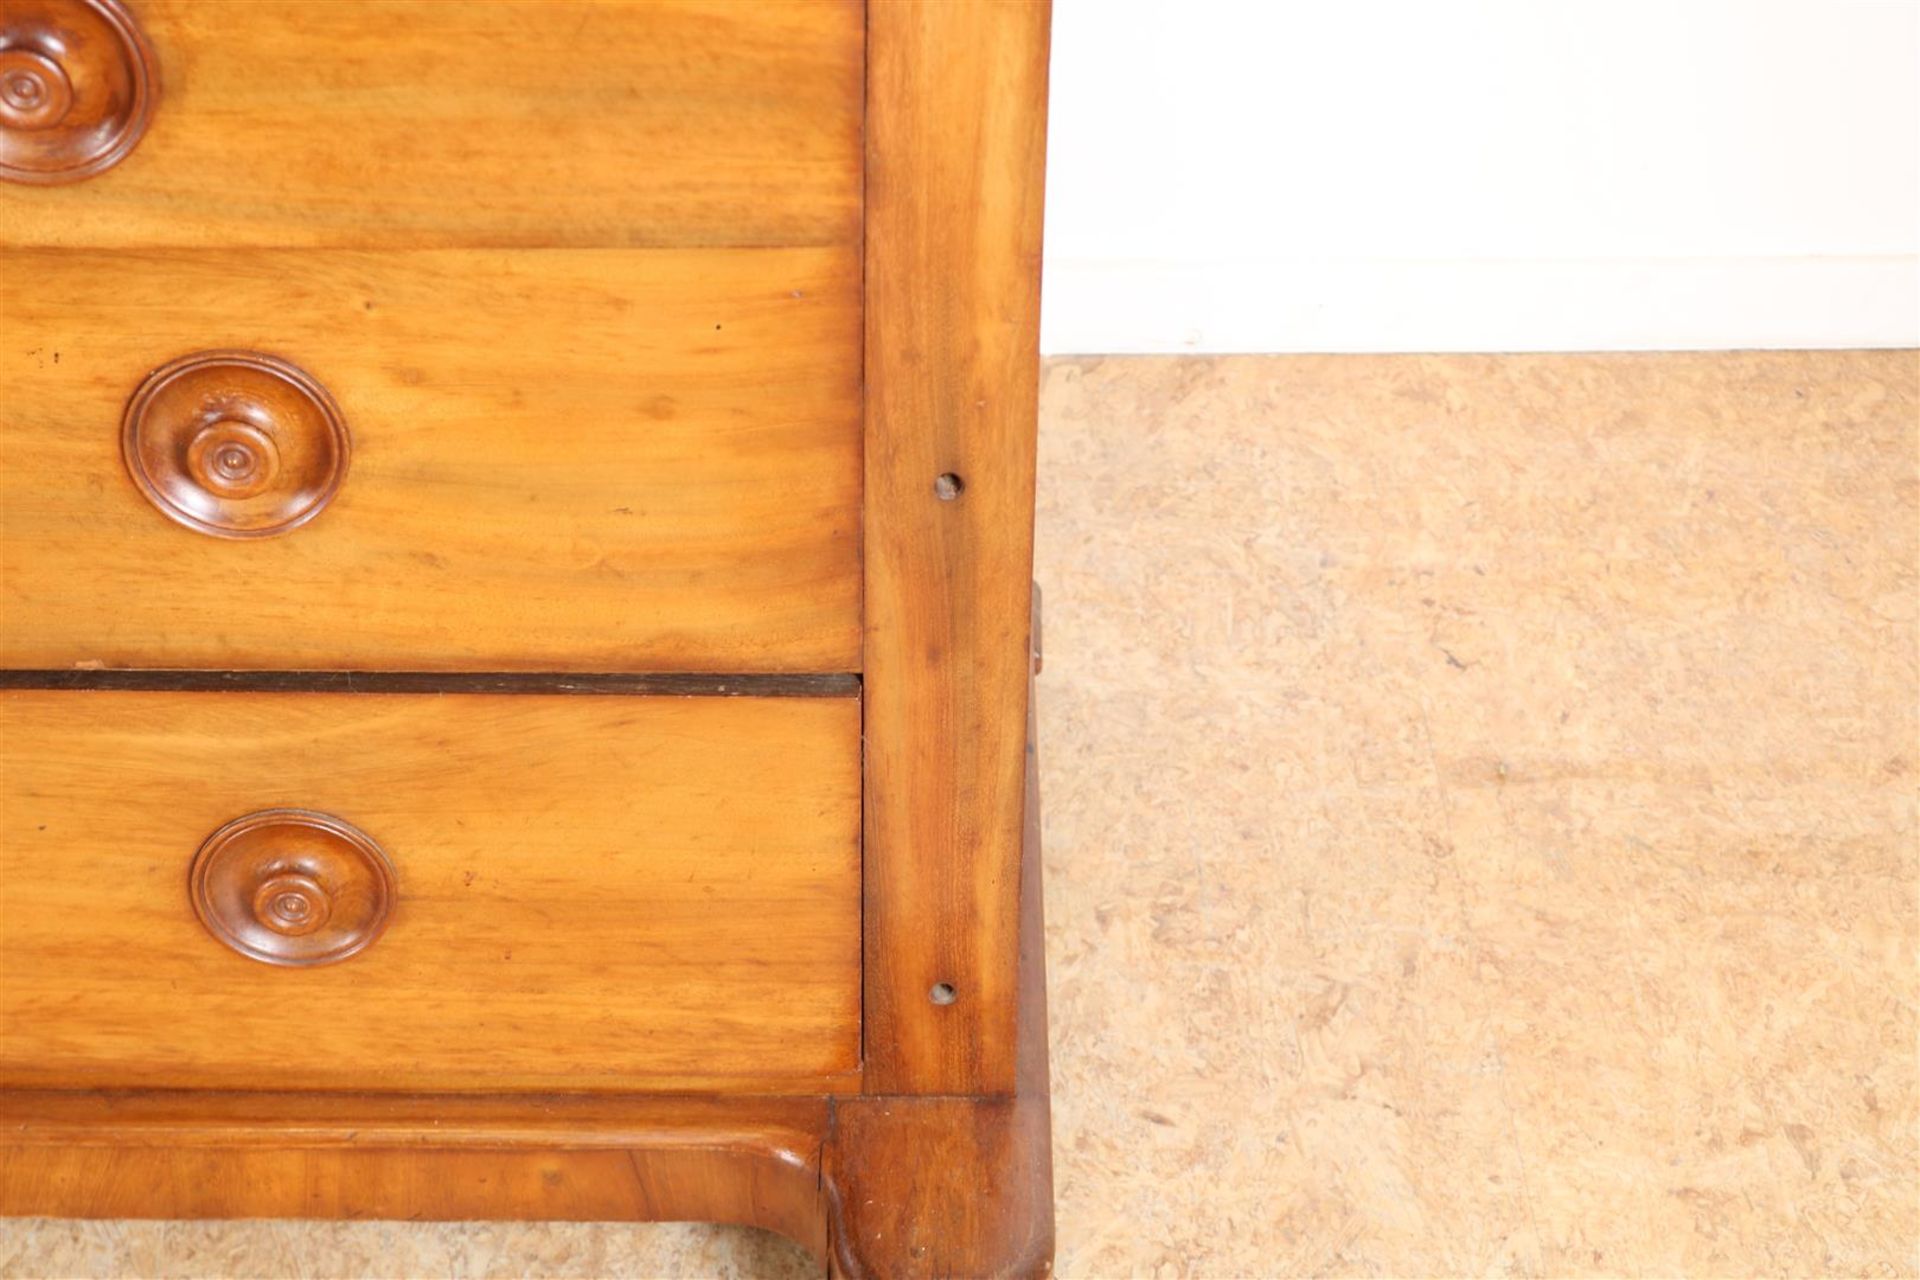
(292, 887)
(77, 86)
(235, 443)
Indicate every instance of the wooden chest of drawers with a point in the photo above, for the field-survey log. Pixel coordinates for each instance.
(515, 633)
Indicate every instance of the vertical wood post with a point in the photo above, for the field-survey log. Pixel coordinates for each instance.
(956, 133)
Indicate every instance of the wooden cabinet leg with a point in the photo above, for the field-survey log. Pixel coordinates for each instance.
(939, 1187)
(953, 1187)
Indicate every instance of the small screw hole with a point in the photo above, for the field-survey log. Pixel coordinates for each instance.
(947, 486)
(943, 993)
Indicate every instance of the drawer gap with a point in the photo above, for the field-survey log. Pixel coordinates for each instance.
(656, 684)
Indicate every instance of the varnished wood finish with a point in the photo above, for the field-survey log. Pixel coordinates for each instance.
(237, 444)
(77, 88)
(388, 123)
(573, 460)
(689, 348)
(292, 887)
(876, 1186)
(955, 137)
(939, 1187)
(275, 1155)
(592, 893)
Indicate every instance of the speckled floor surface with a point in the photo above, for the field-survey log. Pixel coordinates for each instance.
(1481, 835)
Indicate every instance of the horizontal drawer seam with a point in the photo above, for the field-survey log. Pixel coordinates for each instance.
(658, 684)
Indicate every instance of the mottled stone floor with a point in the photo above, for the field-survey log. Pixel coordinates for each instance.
(1481, 834)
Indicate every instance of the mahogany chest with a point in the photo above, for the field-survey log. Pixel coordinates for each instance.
(515, 616)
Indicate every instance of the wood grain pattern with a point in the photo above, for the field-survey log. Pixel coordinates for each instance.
(632, 384)
(956, 130)
(235, 444)
(924, 1187)
(275, 1155)
(593, 893)
(388, 123)
(900, 1187)
(587, 460)
(292, 887)
(77, 88)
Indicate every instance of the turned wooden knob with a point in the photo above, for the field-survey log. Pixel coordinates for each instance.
(235, 443)
(292, 887)
(77, 86)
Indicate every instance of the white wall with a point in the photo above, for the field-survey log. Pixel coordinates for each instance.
(1464, 175)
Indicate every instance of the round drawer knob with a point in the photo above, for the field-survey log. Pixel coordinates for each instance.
(235, 443)
(77, 86)
(292, 887)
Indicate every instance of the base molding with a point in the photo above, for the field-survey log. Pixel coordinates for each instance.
(754, 1162)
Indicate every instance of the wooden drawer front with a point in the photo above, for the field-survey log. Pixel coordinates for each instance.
(559, 460)
(597, 892)
(490, 122)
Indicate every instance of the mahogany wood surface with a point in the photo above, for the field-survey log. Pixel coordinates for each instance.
(292, 887)
(752, 1161)
(617, 893)
(586, 460)
(77, 88)
(615, 797)
(401, 123)
(235, 444)
(948, 1187)
(876, 1186)
(956, 129)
